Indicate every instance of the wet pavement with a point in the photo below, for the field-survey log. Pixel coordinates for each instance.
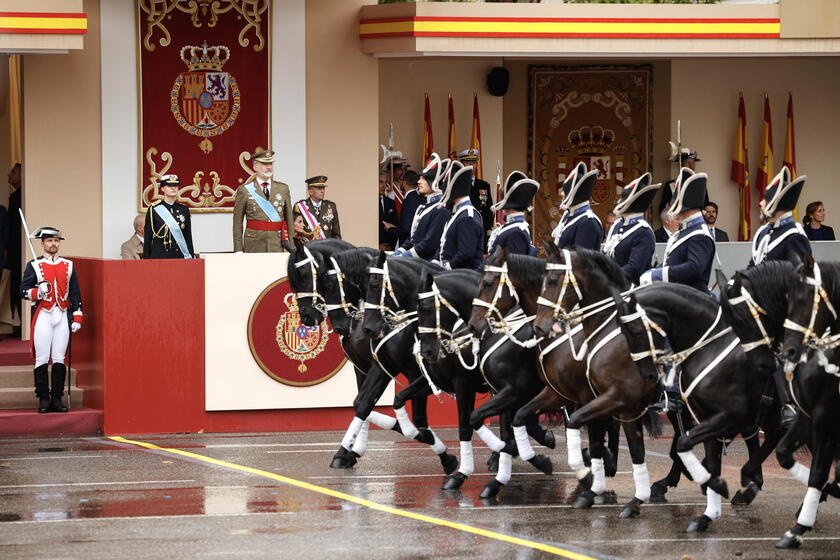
(99, 498)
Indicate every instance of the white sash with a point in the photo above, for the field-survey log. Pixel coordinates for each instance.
(523, 225)
(766, 246)
(613, 241)
(558, 231)
(673, 242)
(264, 204)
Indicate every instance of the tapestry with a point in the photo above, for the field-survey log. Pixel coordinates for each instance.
(598, 115)
(204, 92)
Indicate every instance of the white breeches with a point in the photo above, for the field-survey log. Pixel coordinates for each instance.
(51, 336)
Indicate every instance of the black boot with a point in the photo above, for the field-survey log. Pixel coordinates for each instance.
(42, 388)
(788, 416)
(59, 375)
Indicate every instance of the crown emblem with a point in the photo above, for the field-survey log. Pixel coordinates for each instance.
(596, 139)
(205, 58)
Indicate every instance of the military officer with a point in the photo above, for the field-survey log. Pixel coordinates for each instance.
(50, 282)
(319, 212)
(781, 233)
(266, 206)
(479, 193)
(514, 235)
(462, 241)
(579, 226)
(689, 252)
(630, 240)
(168, 230)
(430, 218)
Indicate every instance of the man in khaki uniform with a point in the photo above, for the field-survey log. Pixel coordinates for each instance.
(267, 208)
(133, 248)
(319, 212)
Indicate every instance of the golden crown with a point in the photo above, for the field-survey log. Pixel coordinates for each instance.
(591, 139)
(204, 57)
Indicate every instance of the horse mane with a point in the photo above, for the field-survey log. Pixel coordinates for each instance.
(599, 263)
(354, 264)
(832, 279)
(766, 279)
(527, 268)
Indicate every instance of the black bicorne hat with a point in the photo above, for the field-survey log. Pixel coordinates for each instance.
(458, 184)
(47, 232)
(577, 188)
(433, 170)
(690, 192)
(782, 193)
(518, 194)
(637, 196)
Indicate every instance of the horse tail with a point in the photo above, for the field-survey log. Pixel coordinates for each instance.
(653, 422)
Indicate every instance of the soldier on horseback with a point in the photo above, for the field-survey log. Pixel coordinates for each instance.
(462, 242)
(579, 226)
(514, 235)
(430, 219)
(630, 241)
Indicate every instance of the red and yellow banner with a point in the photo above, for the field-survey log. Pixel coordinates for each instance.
(740, 172)
(43, 23)
(664, 28)
(766, 165)
(475, 139)
(204, 98)
(428, 140)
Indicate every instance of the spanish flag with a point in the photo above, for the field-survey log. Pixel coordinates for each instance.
(453, 143)
(428, 141)
(475, 139)
(740, 171)
(766, 166)
(790, 147)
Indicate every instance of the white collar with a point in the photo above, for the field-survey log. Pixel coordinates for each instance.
(315, 204)
(138, 236)
(633, 216)
(51, 259)
(691, 217)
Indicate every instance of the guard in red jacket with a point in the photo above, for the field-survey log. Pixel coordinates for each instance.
(50, 282)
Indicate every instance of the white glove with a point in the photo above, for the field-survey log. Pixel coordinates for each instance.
(43, 290)
(75, 327)
(646, 278)
(237, 252)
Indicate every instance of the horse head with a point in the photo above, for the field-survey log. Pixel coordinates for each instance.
(378, 298)
(748, 319)
(428, 318)
(642, 336)
(496, 295)
(302, 271)
(344, 282)
(561, 291)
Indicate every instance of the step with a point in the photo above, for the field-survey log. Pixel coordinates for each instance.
(16, 398)
(28, 423)
(15, 352)
(22, 376)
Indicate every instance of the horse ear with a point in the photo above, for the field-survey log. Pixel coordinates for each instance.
(808, 261)
(496, 256)
(381, 259)
(721, 280)
(738, 281)
(551, 249)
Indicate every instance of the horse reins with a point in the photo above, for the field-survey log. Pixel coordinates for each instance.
(393, 319)
(450, 341)
(756, 311)
(313, 293)
(349, 309)
(808, 334)
(502, 325)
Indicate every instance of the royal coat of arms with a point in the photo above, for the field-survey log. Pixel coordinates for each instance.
(296, 340)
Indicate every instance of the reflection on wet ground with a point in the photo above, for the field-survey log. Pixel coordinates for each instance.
(90, 495)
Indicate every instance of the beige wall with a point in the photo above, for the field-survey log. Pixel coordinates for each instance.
(402, 85)
(5, 138)
(341, 108)
(62, 142)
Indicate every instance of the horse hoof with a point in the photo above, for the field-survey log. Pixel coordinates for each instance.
(448, 462)
(493, 462)
(491, 489)
(699, 525)
(610, 463)
(549, 442)
(585, 500)
(454, 481)
(632, 509)
(719, 485)
(789, 541)
(343, 459)
(657, 493)
(542, 464)
(745, 496)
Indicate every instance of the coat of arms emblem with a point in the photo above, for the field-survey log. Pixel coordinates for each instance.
(296, 340)
(205, 100)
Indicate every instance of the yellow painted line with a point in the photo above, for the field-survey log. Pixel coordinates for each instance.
(367, 503)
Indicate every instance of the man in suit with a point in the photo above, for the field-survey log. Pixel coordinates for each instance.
(387, 217)
(410, 205)
(317, 211)
(710, 213)
(266, 205)
(480, 195)
(133, 248)
(15, 241)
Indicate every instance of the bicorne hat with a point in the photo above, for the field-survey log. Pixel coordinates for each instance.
(577, 188)
(519, 192)
(636, 196)
(458, 184)
(46, 232)
(782, 193)
(689, 191)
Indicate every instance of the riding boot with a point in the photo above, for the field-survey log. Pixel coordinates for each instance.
(59, 374)
(788, 416)
(42, 388)
(671, 400)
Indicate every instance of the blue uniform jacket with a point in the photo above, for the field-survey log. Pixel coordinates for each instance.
(689, 256)
(783, 235)
(462, 245)
(514, 235)
(631, 244)
(410, 204)
(425, 241)
(580, 228)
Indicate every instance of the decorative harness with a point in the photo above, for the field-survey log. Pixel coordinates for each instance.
(502, 324)
(450, 341)
(318, 301)
(809, 337)
(756, 311)
(348, 308)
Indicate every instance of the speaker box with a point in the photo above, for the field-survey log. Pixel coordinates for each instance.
(497, 81)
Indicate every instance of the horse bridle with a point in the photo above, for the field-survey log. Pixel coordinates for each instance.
(569, 279)
(650, 325)
(756, 311)
(497, 324)
(392, 318)
(450, 342)
(808, 334)
(349, 309)
(313, 293)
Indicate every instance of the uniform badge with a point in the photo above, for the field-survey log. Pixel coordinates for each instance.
(296, 340)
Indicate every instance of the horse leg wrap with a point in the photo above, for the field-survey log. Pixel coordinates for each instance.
(599, 478)
(352, 431)
(360, 445)
(467, 466)
(575, 453)
(526, 452)
(409, 430)
(438, 446)
(505, 463)
(800, 472)
(642, 480)
(697, 471)
(382, 420)
(808, 514)
(712, 505)
(491, 439)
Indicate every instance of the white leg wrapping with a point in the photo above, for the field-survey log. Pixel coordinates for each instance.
(505, 462)
(808, 515)
(599, 478)
(575, 454)
(438, 446)
(352, 431)
(360, 445)
(526, 452)
(409, 430)
(642, 480)
(491, 439)
(800, 472)
(467, 463)
(692, 463)
(712, 505)
(382, 420)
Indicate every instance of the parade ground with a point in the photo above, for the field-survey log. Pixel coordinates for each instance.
(273, 495)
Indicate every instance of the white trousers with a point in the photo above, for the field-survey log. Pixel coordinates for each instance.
(51, 336)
